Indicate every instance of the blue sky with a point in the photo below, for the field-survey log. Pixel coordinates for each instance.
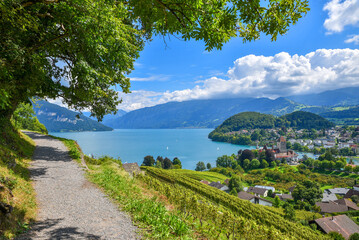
(319, 53)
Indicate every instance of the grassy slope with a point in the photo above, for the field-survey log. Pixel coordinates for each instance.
(149, 210)
(15, 185)
(209, 176)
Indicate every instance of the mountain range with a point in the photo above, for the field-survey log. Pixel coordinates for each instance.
(339, 106)
(60, 119)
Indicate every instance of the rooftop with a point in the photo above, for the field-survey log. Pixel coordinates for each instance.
(341, 224)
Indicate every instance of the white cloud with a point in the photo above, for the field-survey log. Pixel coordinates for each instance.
(340, 14)
(353, 39)
(159, 77)
(266, 76)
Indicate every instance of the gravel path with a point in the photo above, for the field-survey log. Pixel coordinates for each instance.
(70, 207)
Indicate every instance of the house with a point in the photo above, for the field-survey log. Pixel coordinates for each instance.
(328, 196)
(219, 186)
(351, 192)
(341, 205)
(345, 201)
(204, 182)
(291, 189)
(131, 168)
(289, 155)
(258, 191)
(266, 187)
(343, 145)
(341, 224)
(338, 191)
(285, 197)
(254, 199)
(331, 207)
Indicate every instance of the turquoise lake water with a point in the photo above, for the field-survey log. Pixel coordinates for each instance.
(132, 145)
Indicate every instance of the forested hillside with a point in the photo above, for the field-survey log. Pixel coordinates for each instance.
(60, 119)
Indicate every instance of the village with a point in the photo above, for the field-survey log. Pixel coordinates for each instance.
(342, 139)
(334, 204)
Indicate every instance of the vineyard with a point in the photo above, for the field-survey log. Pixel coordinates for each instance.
(220, 215)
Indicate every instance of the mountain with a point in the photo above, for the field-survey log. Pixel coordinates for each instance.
(109, 119)
(60, 119)
(339, 97)
(255, 120)
(201, 113)
(305, 120)
(344, 116)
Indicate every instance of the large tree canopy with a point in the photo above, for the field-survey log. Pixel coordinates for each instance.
(80, 49)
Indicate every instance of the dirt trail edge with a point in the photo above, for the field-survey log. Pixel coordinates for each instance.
(70, 207)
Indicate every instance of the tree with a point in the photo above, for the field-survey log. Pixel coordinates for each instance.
(224, 161)
(255, 164)
(336, 236)
(167, 163)
(264, 164)
(148, 161)
(93, 43)
(276, 202)
(235, 183)
(348, 168)
(247, 154)
(24, 118)
(354, 236)
(308, 191)
(177, 162)
(209, 166)
(158, 164)
(246, 164)
(200, 166)
(289, 212)
(273, 164)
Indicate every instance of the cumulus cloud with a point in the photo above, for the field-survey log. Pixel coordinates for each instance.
(266, 76)
(353, 39)
(340, 14)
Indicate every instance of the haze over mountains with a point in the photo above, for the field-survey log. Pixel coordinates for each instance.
(337, 105)
(60, 119)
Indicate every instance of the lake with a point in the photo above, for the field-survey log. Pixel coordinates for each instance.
(132, 145)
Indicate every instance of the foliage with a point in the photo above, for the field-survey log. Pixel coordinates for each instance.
(226, 214)
(336, 236)
(16, 190)
(97, 41)
(276, 202)
(308, 191)
(209, 166)
(167, 163)
(354, 236)
(289, 212)
(24, 118)
(149, 213)
(200, 166)
(177, 162)
(229, 130)
(148, 161)
(235, 184)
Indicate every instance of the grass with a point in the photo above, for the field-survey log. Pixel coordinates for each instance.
(149, 210)
(75, 151)
(208, 176)
(16, 150)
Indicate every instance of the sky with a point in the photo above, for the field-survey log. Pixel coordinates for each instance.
(319, 53)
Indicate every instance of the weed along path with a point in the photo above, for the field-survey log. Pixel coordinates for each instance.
(70, 207)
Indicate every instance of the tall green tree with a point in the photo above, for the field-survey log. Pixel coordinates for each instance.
(235, 184)
(148, 161)
(79, 49)
(200, 166)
